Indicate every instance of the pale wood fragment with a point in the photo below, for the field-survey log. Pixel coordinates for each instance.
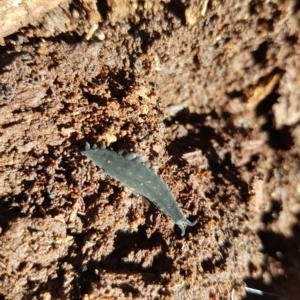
(15, 14)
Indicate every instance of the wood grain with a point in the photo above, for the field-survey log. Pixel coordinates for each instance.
(15, 14)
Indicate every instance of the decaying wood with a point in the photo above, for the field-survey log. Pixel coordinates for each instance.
(15, 14)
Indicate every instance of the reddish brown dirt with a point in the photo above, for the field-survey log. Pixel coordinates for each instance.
(209, 92)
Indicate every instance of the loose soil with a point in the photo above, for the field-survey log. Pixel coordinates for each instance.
(209, 92)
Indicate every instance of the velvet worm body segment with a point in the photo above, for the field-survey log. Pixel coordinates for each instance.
(129, 170)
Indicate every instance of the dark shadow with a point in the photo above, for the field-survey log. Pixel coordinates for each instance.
(177, 9)
(119, 83)
(128, 242)
(259, 55)
(148, 38)
(102, 8)
(252, 8)
(202, 137)
(292, 40)
(114, 262)
(283, 250)
(11, 124)
(297, 6)
(266, 104)
(11, 208)
(128, 289)
(55, 285)
(6, 59)
(211, 265)
(272, 243)
(279, 139)
(273, 214)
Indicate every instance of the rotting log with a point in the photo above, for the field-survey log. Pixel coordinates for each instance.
(15, 14)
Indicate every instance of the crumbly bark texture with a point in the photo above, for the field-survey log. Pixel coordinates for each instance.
(208, 92)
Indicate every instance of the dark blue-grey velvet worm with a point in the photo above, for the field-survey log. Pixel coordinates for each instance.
(129, 170)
